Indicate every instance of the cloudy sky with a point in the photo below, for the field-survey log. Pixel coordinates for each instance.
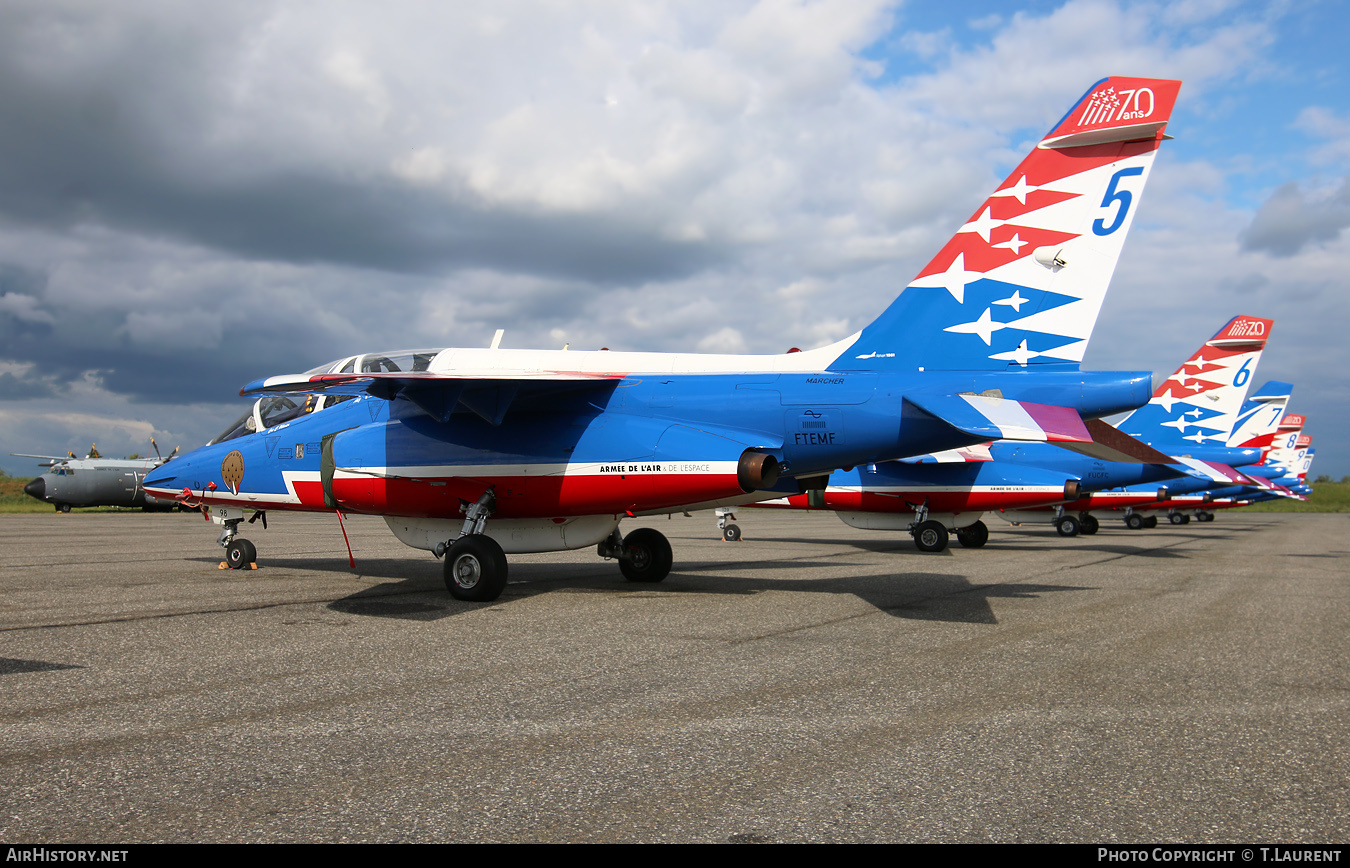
(196, 195)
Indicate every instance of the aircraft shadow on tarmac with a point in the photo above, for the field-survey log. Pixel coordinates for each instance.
(911, 595)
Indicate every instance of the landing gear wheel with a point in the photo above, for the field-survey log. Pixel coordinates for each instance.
(649, 556)
(1204, 516)
(1067, 525)
(1151, 521)
(1178, 518)
(1134, 521)
(475, 569)
(731, 533)
(63, 507)
(931, 536)
(240, 553)
(1087, 523)
(972, 536)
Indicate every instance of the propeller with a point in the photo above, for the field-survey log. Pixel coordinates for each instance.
(160, 458)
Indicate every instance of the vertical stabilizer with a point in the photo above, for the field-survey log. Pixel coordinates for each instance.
(1021, 283)
(1200, 403)
(1260, 417)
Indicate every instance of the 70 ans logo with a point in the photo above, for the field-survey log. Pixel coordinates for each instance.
(1107, 106)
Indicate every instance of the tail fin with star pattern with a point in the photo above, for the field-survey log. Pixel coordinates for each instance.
(1021, 283)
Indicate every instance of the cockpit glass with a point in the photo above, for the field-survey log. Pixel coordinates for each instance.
(278, 409)
(241, 426)
(397, 362)
(327, 367)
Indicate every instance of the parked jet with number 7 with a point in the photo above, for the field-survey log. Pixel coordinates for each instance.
(473, 453)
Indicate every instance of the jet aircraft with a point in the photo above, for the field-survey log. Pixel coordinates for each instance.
(1193, 417)
(933, 495)
(1247, 444)
(473, 453)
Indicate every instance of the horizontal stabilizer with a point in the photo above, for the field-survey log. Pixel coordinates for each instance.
(1215, 471)
(1111, 444)
(964, 455)
(991, 418)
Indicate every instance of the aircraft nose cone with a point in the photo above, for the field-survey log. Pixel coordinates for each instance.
(37, 488)
(159, 478)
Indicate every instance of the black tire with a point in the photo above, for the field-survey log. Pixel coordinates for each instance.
(475, 569)
(731, 533)
(63, 507)
(649, 558)
(1067, 525)
(1204, 516)
(240, 554)
(1151, 522)
(1088, 524)
(972, 536)
(1134, 521)
(931, 536)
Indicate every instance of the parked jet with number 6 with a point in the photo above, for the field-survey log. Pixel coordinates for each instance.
(473, 453)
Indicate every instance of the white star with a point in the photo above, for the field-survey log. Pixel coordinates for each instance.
(983, 225)
(1021, 355)
(1014, 301)
(1015, 244)
(954, 279)
(984, 327)
(1020, 190)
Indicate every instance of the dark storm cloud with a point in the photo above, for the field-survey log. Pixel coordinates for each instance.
(119, 150)
(1289, 220)
(14, 387)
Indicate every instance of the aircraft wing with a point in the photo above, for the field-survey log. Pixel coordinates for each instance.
(993, 418)
(488, 393)
(51, 459)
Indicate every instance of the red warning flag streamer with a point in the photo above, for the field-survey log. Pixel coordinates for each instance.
(351, 561)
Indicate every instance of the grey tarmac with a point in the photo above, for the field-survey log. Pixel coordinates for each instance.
(811, 683)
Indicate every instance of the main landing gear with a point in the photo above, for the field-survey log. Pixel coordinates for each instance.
(972, 536)
(475, 566)
(932, 536)
(1135, 521)
(644, 555)
(1067, 525)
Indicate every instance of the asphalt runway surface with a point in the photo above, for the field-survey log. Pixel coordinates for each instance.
(811, 683)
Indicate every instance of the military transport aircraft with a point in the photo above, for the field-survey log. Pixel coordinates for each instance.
(472, 453)
(96, 481)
